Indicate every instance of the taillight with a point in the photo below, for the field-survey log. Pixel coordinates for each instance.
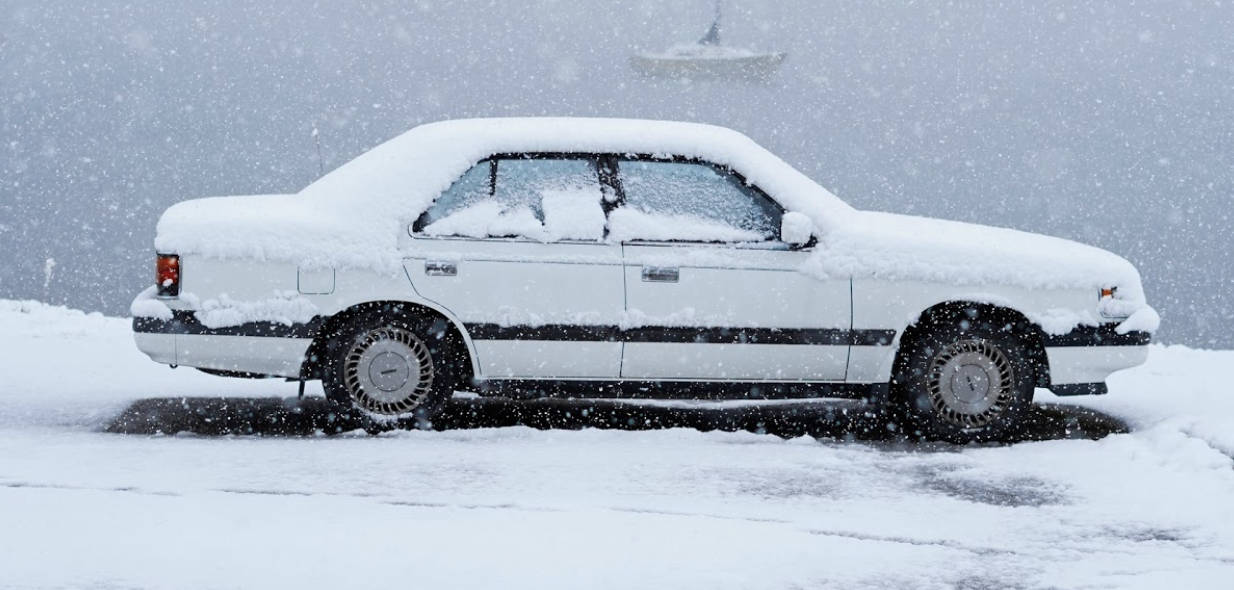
(167, 275)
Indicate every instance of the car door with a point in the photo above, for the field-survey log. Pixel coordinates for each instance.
(515, 249)
(711, 292)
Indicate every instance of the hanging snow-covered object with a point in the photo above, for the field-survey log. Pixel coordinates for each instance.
(707, 59)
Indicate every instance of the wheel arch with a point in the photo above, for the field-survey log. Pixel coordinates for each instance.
(1030, 332)
(313, 364)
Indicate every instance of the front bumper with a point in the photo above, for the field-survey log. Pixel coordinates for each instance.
(1076, 365)
(1081, 360)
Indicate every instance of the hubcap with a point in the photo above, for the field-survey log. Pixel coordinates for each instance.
(970, 383)
(388, 371)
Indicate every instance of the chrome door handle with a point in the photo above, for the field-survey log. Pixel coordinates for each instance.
(440, 268)
(660, 274)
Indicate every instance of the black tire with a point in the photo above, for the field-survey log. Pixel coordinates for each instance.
(966, 379)
(392, 365)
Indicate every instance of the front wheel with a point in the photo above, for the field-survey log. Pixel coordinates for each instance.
(966, 380)
(390, 366)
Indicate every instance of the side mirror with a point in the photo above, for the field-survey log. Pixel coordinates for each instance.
(796, 229)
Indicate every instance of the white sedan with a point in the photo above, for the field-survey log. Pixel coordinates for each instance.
(617, 258)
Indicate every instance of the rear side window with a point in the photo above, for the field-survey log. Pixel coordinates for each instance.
(543, 199)
(690, 201)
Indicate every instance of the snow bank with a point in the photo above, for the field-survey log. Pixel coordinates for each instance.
(614, 508)
(33, 319)
(1180, 389)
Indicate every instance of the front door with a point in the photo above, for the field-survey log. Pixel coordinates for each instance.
(515, 249)
(711, 292)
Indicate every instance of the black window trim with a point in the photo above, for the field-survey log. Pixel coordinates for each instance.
(417, 227)
(608, 170)
(687, 160)
(638, 157)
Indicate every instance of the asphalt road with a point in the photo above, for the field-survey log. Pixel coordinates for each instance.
(839, 420)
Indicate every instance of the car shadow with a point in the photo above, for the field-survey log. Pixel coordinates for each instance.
(840, 420)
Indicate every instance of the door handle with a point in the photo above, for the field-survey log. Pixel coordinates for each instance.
(440, 268)
(661, 274)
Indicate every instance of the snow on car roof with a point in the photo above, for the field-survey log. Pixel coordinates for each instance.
(418, 165)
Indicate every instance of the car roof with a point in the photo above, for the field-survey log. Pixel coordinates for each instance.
(415, 167)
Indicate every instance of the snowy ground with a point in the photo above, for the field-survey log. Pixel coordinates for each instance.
(517, 507)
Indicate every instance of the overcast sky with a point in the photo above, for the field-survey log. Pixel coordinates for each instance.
(1110, 122)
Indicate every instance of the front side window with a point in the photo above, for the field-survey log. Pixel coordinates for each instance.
(543, 199)
(690, 201)
(474, 187)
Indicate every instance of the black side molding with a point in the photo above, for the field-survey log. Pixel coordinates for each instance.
(679, 335)
(1103, 335)
(185, 322)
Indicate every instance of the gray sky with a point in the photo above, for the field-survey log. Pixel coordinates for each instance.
(1110, 122)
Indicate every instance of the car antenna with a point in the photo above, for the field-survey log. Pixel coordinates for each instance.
(321, 166)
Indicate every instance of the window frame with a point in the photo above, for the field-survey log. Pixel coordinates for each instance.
(608, 170)
(721, 169)
(605, 178)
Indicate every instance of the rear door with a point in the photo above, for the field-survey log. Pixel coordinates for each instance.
(711, 292)
(515, 249)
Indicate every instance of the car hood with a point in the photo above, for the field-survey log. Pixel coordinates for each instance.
(901, 247)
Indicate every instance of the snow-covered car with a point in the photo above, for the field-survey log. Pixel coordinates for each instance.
(618, 258)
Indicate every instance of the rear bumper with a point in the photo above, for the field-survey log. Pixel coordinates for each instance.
(264, 349)
(159, 347)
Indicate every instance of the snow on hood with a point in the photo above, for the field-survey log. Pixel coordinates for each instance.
(889, 246)
(902, 247)
(352, 216)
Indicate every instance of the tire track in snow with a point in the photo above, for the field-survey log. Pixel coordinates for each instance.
(1216, 446)
(919, 542)
(17, 485)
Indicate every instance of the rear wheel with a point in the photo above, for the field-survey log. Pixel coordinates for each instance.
(391, 366)
(966, 380)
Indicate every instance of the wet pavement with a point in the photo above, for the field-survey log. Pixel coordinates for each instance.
(841, 420)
